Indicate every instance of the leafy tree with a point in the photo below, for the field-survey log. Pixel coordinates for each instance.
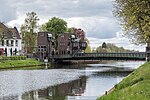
(88, 48)
(112, 48)
(28, 30)
(43, 28)
(135, 19)
(55, 25)
(70, 30)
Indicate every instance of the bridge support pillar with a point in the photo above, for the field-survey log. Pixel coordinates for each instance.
(148, 52)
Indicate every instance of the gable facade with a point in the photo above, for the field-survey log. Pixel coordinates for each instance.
(10, 41)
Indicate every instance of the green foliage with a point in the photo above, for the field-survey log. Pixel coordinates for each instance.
(8, 64)
(111, 48)
(70, 30)
(55, 25)
(135, 19)
(88, 48)
(28, 30)
(43, 28)
(133, 87)
(3, 58)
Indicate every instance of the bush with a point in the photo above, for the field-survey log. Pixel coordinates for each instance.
(13, 58)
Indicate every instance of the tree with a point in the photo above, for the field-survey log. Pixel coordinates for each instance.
(55, 25)
(88, 48)
(135, 19)
(104, 45)
(28, 30)
(43, 28)
(112, 48)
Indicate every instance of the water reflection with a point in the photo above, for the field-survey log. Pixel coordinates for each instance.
(58, 92)
(85, 88)
(78, 83)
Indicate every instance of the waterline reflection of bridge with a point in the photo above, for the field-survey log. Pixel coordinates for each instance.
(101, 56)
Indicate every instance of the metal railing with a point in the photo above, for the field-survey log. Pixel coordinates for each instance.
(127, 55)
(136, 54)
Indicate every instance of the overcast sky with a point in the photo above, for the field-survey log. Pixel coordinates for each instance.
(93, 16)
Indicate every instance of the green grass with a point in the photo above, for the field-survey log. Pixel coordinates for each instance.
(135, 86)
(20, 64)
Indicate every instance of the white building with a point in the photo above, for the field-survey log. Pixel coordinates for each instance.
(10, 41)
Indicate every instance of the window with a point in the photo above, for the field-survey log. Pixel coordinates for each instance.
(64, 52)
(62, 44)
(16, 43)
(12, 42)
(7, 42)
(42, 48)
(83, 44)
(52, 43)
(38, 48)
(2, 42)
(68, 43)
(75, 44)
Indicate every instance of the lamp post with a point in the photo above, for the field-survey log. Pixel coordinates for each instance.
(49, 38)
(72, 41)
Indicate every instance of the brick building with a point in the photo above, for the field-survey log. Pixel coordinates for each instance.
(68, 43)
(45, 47)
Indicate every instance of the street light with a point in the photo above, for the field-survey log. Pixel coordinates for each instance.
(72, 41)
(49, 38)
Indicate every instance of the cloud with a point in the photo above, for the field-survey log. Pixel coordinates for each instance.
(98, 27)
(93, 16)
(119, 41)
(64, 8)
(7, 11)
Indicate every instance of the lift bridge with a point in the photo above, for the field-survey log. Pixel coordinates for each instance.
(136, 56)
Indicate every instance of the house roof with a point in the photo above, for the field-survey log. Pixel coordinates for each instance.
(9, 33)
(15, 32)
(6, 33)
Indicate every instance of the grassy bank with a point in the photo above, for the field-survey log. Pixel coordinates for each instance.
(136, 86)
(20, 64)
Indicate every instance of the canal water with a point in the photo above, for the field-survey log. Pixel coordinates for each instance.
(78, 82)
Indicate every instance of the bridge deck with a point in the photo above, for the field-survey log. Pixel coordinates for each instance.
(102, 56)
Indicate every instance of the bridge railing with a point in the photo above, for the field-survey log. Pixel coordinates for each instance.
(116, 55)
(136, 54)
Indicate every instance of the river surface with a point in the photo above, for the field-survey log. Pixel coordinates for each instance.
(78, 82)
